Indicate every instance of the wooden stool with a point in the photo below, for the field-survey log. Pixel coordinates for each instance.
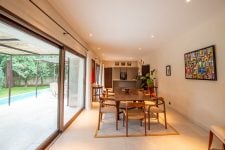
(218, 132)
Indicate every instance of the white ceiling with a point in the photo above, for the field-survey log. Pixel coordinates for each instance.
(121, 27)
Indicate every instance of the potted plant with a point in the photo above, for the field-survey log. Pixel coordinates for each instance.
(148, 81)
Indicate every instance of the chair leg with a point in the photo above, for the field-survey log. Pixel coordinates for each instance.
(123, 119)
(210, 139)
(145, 125)
(116, 121)
(127, 126)
(101, 116)
(165, 120)
(99, 119)
(148, 120)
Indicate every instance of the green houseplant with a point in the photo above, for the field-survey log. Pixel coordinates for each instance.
(148, 81)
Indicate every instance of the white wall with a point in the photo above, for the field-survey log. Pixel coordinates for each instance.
(88, 82)
(201, 101)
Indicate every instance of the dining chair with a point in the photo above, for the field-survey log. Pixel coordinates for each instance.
(154, 108)
(107, 105)
(108, 92)
(138, 113)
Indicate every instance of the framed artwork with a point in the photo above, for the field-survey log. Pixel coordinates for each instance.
(129, 63)
(201, 64)
(168, 70)
(117, 63)
(123, 63)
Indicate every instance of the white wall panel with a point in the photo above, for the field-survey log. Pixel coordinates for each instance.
(201, 101)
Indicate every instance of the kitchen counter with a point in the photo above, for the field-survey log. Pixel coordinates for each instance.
(117, 83)
(125, 80)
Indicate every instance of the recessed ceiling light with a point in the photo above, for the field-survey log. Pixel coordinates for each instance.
(90, 34)
(188, 1)
(139, 48)
(152, 36)
(99, 48)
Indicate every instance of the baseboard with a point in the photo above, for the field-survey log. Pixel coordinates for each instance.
(198, 123)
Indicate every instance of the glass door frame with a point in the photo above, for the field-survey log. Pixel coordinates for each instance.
(63, 126)
(13, 20)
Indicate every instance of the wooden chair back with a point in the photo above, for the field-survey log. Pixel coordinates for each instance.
(137, 105)
(139, 114)
(158, 107)
(105, 101)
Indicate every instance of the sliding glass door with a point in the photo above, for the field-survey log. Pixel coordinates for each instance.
(32, 108)
(73, 85)
(29, 69)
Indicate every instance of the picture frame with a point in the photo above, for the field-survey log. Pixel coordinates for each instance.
(123, 63)
(201, 64)
(168, 70)
(129, 63)
(117, 63)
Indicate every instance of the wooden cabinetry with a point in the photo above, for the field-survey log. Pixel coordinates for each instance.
(108, 77)
(113, 71)
(127, 64)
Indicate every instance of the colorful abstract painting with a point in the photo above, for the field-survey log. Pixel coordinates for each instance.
(201, 64)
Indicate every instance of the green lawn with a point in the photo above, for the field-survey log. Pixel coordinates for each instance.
(4, 92)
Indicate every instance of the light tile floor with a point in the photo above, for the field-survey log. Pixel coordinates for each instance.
(80, 136)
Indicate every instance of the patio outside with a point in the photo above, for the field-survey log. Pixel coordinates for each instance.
(29, 69)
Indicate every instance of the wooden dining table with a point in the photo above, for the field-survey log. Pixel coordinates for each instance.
(129, 95)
